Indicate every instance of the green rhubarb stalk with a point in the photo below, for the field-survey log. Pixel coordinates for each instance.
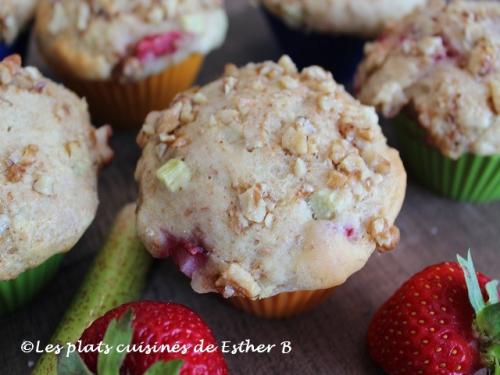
(119, 333)
(116, 277)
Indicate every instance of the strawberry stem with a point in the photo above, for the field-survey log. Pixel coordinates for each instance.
(473, 288)
(117, 276)
(487, 322)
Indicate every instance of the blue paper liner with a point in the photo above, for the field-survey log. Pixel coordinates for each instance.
(341, 54)
(20, 45)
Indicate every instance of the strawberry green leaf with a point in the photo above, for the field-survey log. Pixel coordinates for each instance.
(118, 333)
(71, 364)
(493, 359)
(165, 368)
(488, 322)
(473, 288)
(492, 290)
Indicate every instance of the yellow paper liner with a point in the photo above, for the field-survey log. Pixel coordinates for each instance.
(125, 105)
(282, 305)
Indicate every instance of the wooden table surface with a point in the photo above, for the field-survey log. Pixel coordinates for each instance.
(329, 340)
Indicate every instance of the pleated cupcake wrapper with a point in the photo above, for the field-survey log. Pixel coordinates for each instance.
(282, 305)
(471, 178)
(125, 105)
(17, 292)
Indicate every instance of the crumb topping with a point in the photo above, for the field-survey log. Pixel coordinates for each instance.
(442, 65)
(285, 168)
(49, 154)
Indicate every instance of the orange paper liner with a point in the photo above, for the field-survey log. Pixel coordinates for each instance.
(282, 305)
(125, 105)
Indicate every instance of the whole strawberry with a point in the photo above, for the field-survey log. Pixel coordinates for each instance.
(159, 334)
(438, 323)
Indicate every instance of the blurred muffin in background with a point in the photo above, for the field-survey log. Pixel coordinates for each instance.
(50, 156)
(128, 57)
(268, 186)
(15, 18)
(438, 72)
(332, 33)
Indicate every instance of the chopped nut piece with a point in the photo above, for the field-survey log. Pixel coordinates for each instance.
(299, 168)
(354, 165)
(83, 16)
(386, 236)
(29, 155)
(365, 133)
(161, 149)
(326, 102)
(253, 205)
(495, 95)
(327, 87)
(187, 112)
(268, 221)
(383, 166)
(14, 173)
(338, 151)
(287, 82)
(175, 174)
(228, 115)
(286, 63)
(230, 70)
(294, 141)
(239, 279)
(199, 98)
(166, 138)
(72, 148)
(336, 179)
(315, 73)
(229, 84)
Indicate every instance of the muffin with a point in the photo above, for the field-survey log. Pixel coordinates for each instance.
(438, 73)
(268, 186)
(332, 33)
(128, 57)
(50, 154)
(15, 17)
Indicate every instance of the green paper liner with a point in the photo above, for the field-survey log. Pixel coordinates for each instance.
(17, 292)
(470, 178)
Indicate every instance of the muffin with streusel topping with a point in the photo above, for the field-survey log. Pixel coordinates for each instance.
(129, 57)
(439, 72)
(332, 33)
(269, 186)
(15, 18)
(50, 154)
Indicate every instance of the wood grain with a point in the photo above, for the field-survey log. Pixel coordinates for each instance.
(329, 340)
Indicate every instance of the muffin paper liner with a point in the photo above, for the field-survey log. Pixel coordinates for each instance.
(282, 305)
(340, 54)
(19, 46)
(17, 292)
(471, 178)
(126, 105)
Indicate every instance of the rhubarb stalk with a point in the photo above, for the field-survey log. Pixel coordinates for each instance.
(116, 277)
